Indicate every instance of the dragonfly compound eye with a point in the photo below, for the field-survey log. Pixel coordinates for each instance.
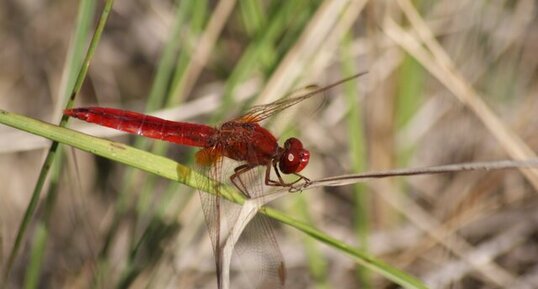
(295, 157)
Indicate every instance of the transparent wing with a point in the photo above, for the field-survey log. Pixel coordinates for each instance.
(251, 239)
(261, 112)
(257, 252)
(218, 212)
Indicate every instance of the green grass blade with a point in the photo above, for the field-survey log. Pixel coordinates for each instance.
(357, 150)
(391, 273)
(252, 15)
(54, 147)
(36, 257)
(74, 61)
(80, 35)
(317, 264)
(410, 97)
(42, 229)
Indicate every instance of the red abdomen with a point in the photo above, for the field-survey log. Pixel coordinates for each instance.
(184, 133)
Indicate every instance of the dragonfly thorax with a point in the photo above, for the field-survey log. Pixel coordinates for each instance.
(247, 142)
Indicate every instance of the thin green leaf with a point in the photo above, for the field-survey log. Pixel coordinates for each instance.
(51, 155)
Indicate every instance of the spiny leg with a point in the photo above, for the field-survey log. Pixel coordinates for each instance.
(281, 182)
(236, 180)
(273, 183)
(300, 188)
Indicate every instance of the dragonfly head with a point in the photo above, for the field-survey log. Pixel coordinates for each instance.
(294, 157)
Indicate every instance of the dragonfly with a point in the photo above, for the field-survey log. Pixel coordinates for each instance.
(243, 140)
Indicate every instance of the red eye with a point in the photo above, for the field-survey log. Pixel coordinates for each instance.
(294, 158)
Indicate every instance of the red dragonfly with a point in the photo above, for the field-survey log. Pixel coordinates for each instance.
(241, 139)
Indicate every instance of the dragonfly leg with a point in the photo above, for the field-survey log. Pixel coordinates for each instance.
(236, 180)
(281, 182)
(268, 181)
(301, 177)
(300, 188)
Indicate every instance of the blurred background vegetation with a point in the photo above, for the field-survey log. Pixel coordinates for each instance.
(447, 82)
